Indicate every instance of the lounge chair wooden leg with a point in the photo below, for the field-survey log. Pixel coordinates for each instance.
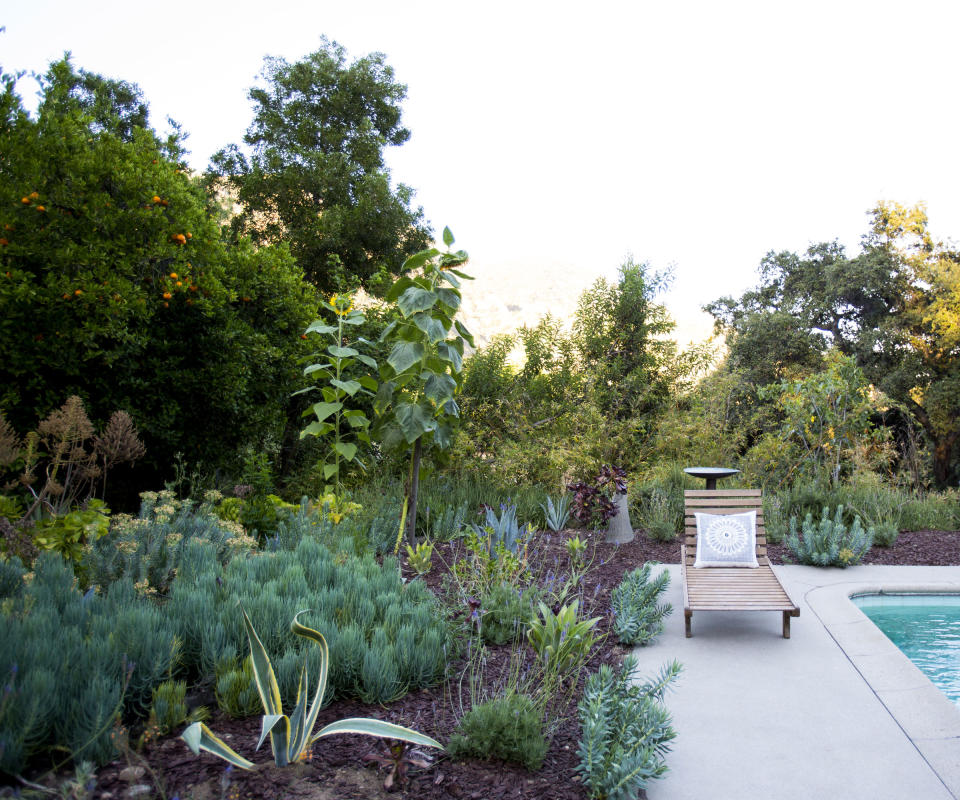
(786, 624)
(687, 616)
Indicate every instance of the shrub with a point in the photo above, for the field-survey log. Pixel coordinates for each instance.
(829, 543)
(502, 530)
(507, 728)
(594, 502)
(359, 605)
(562, 641)
(169, 707)
(556, 515)
(658, 517)
(637, 617)
(72, 662)
(505, 610)
(448, 523)
(149, 549)
(626, 731)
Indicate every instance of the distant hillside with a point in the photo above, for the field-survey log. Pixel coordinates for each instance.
(506, 296)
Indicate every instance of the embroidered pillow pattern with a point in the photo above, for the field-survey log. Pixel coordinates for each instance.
(726, 540)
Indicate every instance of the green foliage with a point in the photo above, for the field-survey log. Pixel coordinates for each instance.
(626, 731)
(556, 515)
(659, 516)
(424, 371)
(11, 577)
(562, 641)
(361, 606)
(448, 524)
(484, 566)
(72, 662)
(117, 269)
(619, 331)
(502, 531)
(829, 543)
(290, 737)
(892, 308)
(637, 614)
(504, 612)
(169, 707)
(334, 420)
(150, 549)
(507, 728)
(420, 558)
(315, 174)
(69, 533)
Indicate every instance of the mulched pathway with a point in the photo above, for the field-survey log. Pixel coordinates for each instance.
(337, 770)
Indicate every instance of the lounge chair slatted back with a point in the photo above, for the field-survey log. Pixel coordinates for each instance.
(729, 588)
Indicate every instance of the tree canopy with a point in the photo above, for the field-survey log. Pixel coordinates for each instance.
(893, 307)
(313, 171)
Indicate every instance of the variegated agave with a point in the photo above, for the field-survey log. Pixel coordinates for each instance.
(290, 737)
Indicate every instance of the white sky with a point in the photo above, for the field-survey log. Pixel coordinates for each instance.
(564, 136)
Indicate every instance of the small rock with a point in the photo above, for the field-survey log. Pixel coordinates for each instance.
(131, 774)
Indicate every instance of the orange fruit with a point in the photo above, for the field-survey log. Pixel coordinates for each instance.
(8, 227)
(193, 288)
(3, 241)
(41, 208)
(25, 200)
(174, 275)
(66, 297)
(78, 292)
(33, 196)
(166, 305)
(155, 198)
(164, 203)
(167, 295)
(179, 284)
(189, 235)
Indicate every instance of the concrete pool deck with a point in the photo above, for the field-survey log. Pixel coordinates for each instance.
(835, 711)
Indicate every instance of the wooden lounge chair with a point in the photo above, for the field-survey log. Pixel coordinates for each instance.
(729, 588)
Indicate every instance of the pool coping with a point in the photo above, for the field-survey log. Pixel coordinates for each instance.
(925, 714)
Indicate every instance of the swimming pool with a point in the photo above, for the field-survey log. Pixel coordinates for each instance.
(926, 627)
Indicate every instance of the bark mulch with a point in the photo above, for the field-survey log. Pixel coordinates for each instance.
(337, 770)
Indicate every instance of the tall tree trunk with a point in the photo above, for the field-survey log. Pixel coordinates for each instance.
(413, 490)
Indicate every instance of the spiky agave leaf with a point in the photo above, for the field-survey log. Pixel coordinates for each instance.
(199, 737)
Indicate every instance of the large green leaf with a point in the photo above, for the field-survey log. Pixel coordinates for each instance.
(402, 284)
(350, 387)
(323, 369)
(320, 327)
(449, 353)
(449, 297)
(462, 330)
(404, 355)
(199, 737)
(431, 326)
(414, 421)
(347, 449)
(447, 236)
(368, 360)
(367, 382)
(415, 299)
(316, 429)
(376, 727)
(439, 387)
(324, 410)
(443, 436)
(341, 352)
(417, 260)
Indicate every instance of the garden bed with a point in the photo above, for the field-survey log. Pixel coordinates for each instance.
(337, 770)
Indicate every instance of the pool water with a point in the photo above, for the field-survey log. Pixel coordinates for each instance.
(926, 627)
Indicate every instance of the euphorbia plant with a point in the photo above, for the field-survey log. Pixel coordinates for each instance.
(423, 371)
(333, 418)
(290, 737)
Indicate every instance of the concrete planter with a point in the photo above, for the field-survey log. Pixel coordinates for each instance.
(619, 529)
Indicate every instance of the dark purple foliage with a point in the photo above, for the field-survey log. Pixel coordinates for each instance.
(594, 503)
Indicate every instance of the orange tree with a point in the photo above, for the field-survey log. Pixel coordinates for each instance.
(116, 285)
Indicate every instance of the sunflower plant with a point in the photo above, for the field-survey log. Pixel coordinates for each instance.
(415, 403)
(341, 425)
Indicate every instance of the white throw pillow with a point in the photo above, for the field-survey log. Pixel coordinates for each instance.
(727, 540)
